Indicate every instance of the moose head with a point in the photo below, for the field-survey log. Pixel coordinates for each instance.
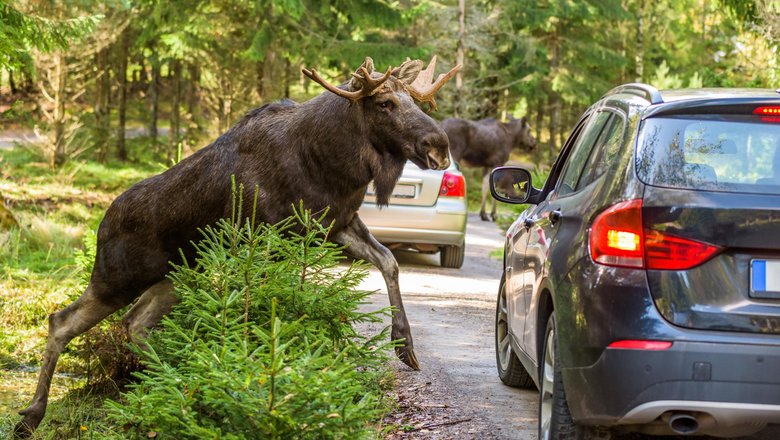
(387, 102)
(521, 134)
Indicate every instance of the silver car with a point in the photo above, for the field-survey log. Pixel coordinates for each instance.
(427, 213)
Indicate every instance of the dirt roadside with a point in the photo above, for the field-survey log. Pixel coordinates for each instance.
(457, 393)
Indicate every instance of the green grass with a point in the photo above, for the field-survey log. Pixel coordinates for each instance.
(39, 274)
(55, 209)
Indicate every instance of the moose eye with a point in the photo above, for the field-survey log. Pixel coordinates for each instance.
(386, 105)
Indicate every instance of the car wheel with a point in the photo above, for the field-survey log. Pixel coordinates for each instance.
(510, 369)
(452, 256)
(555, 422)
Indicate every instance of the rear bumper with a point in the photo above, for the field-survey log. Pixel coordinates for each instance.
(728, 386)
(441, 224)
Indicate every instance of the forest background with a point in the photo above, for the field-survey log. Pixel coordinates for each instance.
(113, 91)
(191, 68)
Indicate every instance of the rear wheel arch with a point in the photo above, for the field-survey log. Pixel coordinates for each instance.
(545, 309)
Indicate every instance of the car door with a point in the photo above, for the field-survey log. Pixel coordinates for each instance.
(556, 230)
(519, 235)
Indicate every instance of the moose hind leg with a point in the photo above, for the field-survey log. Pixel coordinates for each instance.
(493, 203)
(64, 325)
(361, 244)
(485, 192)
(153, 304)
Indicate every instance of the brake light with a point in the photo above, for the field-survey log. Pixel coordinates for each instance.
(770, 110)
(768, 113)
(616, 235)
(453, 184)
(617, 238)
(641, 345)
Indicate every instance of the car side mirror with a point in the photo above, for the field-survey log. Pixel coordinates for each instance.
(511, 184)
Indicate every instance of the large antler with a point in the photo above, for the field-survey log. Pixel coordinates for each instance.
(422, 90)
(365, 85)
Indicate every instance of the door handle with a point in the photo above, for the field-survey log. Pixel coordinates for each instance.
(555, 216)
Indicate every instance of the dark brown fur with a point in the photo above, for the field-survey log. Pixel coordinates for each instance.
(487, 144)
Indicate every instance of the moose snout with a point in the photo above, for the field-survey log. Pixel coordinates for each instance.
(434, 147)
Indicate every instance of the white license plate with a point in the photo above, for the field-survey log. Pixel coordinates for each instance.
(401, 191)
(765, 276)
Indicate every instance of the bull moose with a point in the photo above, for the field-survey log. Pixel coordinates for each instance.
(323, 152)
(487, 144)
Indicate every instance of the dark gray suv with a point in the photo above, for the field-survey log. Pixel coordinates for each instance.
(641, 287)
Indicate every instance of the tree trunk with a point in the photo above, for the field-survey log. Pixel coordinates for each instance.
(555, 122)
(563, 127)
(640, 41)
(538, 118)
(287, 78)
(175, 110)
(61, 72)
(492, 96)
(505, 107)
(154, 98)
(260, 87)
(554, 99)
(29, 85)
(193, 101)
(102, 114)
(461, 56)
(11, 82)
(121, 146)
(540, 104)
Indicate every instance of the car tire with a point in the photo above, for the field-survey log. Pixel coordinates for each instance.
(510, 369)
(452, 256)
(555, 421)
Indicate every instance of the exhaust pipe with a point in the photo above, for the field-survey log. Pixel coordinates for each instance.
(683, 423)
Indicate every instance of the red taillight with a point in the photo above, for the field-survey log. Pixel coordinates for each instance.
(617, 238)
(768, 110)
(616, 235)
(641, 345)
(669, 252)
(768, 113)
(452, 185)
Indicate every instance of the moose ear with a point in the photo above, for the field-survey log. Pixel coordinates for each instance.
(368, 64)
(408, 71)
(356, 83)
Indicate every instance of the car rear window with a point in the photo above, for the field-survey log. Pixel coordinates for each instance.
(732, 153)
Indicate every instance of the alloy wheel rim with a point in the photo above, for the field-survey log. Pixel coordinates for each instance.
(548, 377)
(503, 347)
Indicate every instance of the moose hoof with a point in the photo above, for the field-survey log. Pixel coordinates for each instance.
(32, 418)
(406, 355)
(23, 429)
(484, 217)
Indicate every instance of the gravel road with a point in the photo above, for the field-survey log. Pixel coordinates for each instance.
(457, 394)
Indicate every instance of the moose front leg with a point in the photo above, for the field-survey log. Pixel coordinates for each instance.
(361, 244)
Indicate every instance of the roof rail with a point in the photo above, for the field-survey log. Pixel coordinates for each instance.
(639, 89)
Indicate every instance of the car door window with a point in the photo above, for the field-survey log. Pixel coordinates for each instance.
(604, 151)
(580, 153)
(560, 162)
